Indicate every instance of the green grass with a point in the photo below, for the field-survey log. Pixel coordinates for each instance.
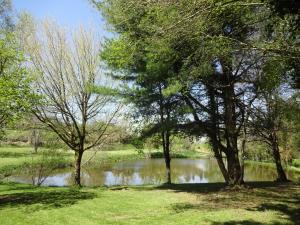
(263, 203)
(181, 154)
(112, 156)
(13, 159)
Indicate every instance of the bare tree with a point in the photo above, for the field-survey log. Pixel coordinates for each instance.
(67, 65)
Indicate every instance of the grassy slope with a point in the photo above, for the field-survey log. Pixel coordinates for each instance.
(177, 204)
(15, 158)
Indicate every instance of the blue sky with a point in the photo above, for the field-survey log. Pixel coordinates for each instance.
(71, 13)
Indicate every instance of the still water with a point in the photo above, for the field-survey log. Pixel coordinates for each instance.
(151, 171)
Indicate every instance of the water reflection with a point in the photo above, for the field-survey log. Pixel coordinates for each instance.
(152, 171)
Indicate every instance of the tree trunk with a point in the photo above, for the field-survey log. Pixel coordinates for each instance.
(218, 156)
(242, 163)
(166, 149)
(235, 173)
(168, 167)
(35, 148)
(243, 149)
(165, 135)
(277, 159)
(35, 140)
(78, 157)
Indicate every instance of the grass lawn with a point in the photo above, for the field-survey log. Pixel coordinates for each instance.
(262, 203)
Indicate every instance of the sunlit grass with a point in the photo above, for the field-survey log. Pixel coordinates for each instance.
(176, 204)
(266, 203)
(13, 159)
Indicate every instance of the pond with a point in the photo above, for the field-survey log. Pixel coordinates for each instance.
(152, 171)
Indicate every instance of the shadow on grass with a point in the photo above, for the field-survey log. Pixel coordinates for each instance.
(220, 186)
(284, 199)
(12, 186)
(244, 222)
(195, 188)
(40, 198)
(291, 209)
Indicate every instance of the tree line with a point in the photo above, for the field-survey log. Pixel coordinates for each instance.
(224, 69)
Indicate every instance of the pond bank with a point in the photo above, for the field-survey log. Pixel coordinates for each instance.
(272, 165)
(14, 159)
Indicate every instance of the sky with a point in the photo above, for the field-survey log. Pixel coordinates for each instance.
(70, 13)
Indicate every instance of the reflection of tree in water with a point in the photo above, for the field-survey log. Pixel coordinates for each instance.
(255, 172)
(152, 171)
(259, 173)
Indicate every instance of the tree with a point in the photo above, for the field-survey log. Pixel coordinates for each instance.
(214, 52)
(267, 122)
(282, 28)
(35, 137)
(290, 137)
(207, 70)
(269, 115)
(161, 112)
(148, 92)
(66, 68)
(149, 73)
(15, 92)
